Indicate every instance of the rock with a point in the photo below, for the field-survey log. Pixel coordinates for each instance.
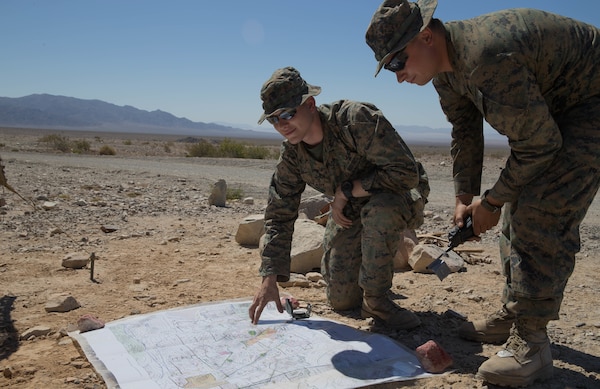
(433, 357)
(248, 201)
(423, 254)
(108, 229)
(35, 332)
(89, 323)
(250, 230)
(312, 206)
(61, 303)
(75, 260)
(296, 280)
(7, 372)
(406, 245)
(314, 276)
(218, 196)
(49, 205)
(307, 246)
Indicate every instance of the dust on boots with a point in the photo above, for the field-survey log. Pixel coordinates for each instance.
(525, 357)
(493, 329)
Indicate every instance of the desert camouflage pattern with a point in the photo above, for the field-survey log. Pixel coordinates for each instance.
(358, 143)
(534, 77)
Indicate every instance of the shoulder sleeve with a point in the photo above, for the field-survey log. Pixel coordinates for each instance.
(394, 167)
(514, 106)
(467, 137)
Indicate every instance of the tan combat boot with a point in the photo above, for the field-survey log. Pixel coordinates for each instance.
(526, 356)
(384, 309)
(493, 329)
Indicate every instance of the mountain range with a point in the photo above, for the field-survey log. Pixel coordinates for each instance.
(53, 112)
(68, 113)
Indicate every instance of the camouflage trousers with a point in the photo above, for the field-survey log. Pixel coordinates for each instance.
(540, 234)
(361, 257)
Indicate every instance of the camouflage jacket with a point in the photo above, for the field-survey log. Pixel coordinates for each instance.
(521, 70)
(358, 143)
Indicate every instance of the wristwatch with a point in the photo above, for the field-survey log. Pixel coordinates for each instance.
(347, 187)
(489, 207)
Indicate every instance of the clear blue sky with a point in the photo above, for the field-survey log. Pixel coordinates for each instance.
(207, 59)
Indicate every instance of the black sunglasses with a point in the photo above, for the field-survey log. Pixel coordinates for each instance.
(397, 63)
(286, 114)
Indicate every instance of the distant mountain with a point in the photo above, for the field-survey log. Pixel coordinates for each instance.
(46, 111)
(69, 113)
(443, 136)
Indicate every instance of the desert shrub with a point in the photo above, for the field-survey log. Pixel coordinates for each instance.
(231, 149)
(234, 193)
(106, 150)
(258, 152)
(81, 146)
(201, 149)
(127, 142)
(57, 142)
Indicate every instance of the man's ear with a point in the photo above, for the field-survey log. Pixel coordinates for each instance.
(426, 36)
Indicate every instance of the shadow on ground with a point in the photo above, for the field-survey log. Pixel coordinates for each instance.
(9, 338)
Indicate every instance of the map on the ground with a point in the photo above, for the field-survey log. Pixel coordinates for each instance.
(216, 346)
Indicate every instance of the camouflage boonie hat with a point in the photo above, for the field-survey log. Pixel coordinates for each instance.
(285, 89)
(394, 24)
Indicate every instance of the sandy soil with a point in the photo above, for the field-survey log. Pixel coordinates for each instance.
(171, 249)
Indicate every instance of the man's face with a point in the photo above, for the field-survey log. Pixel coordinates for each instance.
(419, 61)
(295, 128)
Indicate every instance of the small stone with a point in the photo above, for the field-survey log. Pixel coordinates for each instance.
(108, 229)
(433, 357)
(61, 303)
(89, 323)
(35, 332)
(75, 260)
(49, 205)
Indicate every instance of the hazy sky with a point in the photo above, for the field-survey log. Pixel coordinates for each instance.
(207, 59)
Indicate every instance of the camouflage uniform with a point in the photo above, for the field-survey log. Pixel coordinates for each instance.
(533, 77)
(358, 143)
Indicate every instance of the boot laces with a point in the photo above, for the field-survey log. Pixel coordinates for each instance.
(515, 342)
(502, 314)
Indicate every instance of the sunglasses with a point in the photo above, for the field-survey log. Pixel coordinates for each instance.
(286, 114)
(397, 63)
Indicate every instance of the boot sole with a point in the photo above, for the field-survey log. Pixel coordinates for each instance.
(516, 382)
(484, 338)
(407, 326)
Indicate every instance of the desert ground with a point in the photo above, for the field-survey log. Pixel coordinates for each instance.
(170, 248)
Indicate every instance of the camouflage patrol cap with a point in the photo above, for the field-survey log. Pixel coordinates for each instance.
(394, 24)
(285, 89)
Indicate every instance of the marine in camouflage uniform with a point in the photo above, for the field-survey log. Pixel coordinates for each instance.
(387, 188)
(533, 77)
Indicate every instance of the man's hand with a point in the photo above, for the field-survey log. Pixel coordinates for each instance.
(460, 209)
(268, 292)
(337, 209)
(484, 220)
